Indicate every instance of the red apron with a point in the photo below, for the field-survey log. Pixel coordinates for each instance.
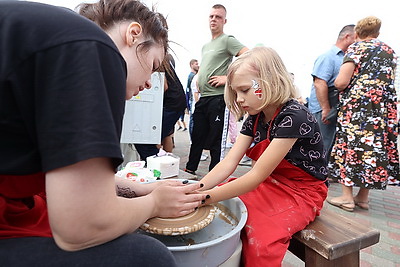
(283, 204)
(23, 208)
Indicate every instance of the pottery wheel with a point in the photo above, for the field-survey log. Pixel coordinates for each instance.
(189, 223)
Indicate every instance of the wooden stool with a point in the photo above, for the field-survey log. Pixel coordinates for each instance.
(332, 240)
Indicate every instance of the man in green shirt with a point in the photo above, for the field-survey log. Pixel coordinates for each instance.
(208, 117)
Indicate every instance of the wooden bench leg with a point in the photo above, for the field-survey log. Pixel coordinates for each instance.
(313, 259)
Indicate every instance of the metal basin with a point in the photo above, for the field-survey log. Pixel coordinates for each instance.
(214, 244)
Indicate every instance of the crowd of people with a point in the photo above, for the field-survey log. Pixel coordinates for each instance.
(360, 138)
(64, 79)
(365, 151)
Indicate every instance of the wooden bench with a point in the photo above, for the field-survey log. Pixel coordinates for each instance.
(332, 240)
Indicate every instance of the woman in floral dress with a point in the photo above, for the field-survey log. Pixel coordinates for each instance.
(365, 152)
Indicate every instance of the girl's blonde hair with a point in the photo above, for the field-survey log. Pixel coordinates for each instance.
(368, 27)
(275, 82)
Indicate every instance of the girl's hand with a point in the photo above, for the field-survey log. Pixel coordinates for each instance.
(176, 199)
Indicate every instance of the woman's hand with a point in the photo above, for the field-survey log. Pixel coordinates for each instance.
(173, 198)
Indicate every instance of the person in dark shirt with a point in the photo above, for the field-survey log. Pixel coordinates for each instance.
(174, 103)
(63, 85)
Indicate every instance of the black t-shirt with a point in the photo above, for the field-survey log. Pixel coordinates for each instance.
(62, 89)
(294, 121)
(174, 96)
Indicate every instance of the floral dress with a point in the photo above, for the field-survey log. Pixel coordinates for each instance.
(365, 152)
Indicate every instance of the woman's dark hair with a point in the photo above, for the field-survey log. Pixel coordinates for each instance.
(106, 13)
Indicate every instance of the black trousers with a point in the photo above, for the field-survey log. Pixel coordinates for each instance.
(128, 250)
(208, 124)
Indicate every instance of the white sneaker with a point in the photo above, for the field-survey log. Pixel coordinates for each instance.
(203, 157)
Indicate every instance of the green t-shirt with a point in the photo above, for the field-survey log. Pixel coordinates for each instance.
(216, 57)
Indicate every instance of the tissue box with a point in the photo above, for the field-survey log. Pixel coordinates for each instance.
(167, 164)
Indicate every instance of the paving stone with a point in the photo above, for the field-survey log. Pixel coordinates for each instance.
(393, 225)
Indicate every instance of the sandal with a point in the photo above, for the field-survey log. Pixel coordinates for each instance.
(347, 206)
(363, 205)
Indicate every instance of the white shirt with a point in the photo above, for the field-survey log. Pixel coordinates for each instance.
(195, 92)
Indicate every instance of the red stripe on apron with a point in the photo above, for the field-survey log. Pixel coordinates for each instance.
(23, 208)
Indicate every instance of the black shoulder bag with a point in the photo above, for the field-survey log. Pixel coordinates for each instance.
(333, 97)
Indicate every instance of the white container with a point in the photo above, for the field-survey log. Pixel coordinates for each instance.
(167, 164)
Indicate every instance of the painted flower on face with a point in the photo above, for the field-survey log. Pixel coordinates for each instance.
(257, 89)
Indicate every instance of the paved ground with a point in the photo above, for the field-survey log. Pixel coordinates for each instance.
(384, 214)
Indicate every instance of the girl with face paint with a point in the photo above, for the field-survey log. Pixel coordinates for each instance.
(285, 188)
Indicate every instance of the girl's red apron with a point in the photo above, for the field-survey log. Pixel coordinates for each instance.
(23, 209)
(285, 203)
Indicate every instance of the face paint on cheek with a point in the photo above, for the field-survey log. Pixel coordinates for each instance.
(257, 89)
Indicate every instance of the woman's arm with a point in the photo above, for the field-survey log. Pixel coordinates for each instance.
(127, 188)
(84, 210)
(344, 76)
(229, 164)
(264, 166)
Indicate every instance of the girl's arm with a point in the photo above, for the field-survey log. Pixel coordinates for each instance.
(263, 168)
(229, 164)
(344, 76)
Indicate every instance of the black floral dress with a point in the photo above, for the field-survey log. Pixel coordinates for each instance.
(365, 152)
